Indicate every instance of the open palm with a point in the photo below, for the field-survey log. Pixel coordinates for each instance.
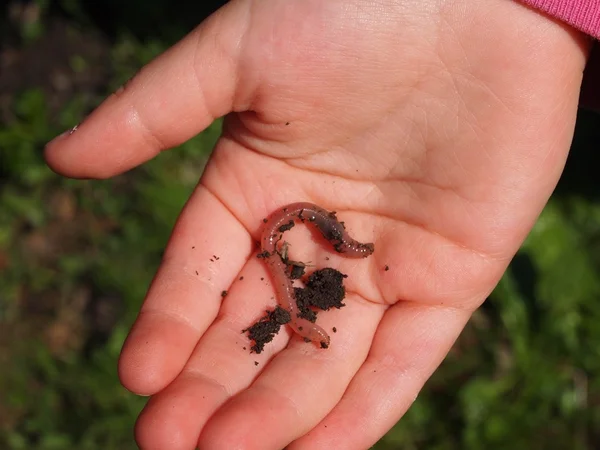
(437, 132)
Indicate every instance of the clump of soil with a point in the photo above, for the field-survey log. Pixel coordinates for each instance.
(263, 331)
(324, 290)
(296, 270)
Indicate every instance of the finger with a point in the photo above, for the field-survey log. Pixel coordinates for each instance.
(410, 343)
(169, 101)
(298, 387)
(220, 367)
(204, 255)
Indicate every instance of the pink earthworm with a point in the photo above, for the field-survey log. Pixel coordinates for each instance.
(326, 222)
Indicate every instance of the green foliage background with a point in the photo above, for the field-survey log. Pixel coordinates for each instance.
(77, 256)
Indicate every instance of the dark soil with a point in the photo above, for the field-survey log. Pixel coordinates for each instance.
(263, 331)
(324, 290)
(296, 270)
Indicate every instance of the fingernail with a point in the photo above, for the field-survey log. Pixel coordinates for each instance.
(63, 135)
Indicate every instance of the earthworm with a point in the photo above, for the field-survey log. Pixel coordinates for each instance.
(326, 222)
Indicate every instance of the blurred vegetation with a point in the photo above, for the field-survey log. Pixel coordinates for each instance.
(76, 258)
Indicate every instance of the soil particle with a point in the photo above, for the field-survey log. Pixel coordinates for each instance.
(263, 331)
(324, 290)
(296, 270)
(286, 226)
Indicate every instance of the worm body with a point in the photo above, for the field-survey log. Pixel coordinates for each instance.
(326, 222)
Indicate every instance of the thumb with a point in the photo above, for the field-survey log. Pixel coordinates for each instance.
(169, 101)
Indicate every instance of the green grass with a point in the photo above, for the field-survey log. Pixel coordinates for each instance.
(71, 248)
(76, 258)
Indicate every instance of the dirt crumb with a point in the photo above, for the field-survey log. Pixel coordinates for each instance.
(286, 226)
(296, 269)
(324, 290)
(265, 329)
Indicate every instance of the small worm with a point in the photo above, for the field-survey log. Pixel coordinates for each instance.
(332, 230)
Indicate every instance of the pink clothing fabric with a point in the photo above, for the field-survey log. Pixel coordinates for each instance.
(581, 14)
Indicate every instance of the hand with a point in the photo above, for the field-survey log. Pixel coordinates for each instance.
(437, 130)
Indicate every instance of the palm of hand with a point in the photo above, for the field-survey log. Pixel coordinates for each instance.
(392, 119)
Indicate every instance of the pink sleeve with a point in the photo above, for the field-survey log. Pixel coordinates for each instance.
(581, 14)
